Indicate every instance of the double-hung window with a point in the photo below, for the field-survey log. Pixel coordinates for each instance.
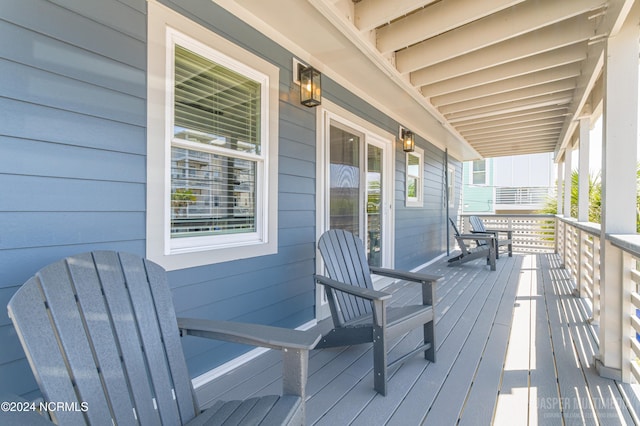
(479, 172)
(414, 180)
(212, 142)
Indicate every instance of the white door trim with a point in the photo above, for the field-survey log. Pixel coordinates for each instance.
(374, 135)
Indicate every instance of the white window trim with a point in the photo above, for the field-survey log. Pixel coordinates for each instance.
(486, 173)
(165, 26)
(415, 201)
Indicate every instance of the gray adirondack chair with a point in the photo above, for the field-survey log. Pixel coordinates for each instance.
(99, 329)
(484, 247)
(477, 226)
(361, 314)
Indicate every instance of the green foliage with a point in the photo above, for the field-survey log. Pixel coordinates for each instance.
(595, 198)
(181, 197)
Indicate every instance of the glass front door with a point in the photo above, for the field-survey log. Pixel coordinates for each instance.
(356, 193)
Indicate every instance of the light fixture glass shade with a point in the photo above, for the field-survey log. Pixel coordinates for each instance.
(310, 87)
(408, 142)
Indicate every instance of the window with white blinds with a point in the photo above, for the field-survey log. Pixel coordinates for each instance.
(216, 151)
(212, 146)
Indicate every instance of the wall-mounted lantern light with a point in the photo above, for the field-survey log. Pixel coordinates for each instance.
(310, 86)
(408, 141)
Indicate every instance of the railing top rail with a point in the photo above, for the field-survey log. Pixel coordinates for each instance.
(507, 215)
(589, 227)
(627, 242)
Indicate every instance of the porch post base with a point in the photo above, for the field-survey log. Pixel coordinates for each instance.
(607, 372)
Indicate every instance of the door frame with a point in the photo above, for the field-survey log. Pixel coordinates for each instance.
(325, 115)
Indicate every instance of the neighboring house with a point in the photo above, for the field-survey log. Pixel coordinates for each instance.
(516, 184)
(174, 130)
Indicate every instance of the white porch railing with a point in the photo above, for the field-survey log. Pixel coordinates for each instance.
(629, 245)
(578, 245)
(531, 233)
(579, 249)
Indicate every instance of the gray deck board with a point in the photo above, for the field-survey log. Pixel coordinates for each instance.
(543, 376)
(513, 348)
(447, 407)
(604, 396)
(447, 297)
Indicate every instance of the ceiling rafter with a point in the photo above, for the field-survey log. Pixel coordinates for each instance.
(370, 14)
(520, 82)
(570, 32)
(550, 59)
(542, 131)
(509, 128)
(437, 19)
(547, 99)
(511, 121)
(511, 96)
(463, 74)
(507, 24)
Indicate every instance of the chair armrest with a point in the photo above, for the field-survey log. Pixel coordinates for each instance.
(509, 232)
(485, 237)
(402, 275)
(365, 293)
(495, 231)
(249, 334)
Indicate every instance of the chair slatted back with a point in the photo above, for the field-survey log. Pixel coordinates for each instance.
(455, 228)
(345, 260)
(463, 247)
(476, 224)
(100, 328)
(479, 243)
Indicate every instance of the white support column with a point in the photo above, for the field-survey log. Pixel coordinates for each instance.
(583, 171)
(559, 189)
(567, 181)
(619, 153)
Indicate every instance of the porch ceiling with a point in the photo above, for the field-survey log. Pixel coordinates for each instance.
(493, 77)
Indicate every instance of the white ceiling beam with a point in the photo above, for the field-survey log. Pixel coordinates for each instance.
(370, 14)
(563, 56)
(548, 141)
(552, 130)
(507, 24)
(488, 121)
(515, 150)
(567, 33)
(511, 121)
(551, 75)
(434, 20)
(532, 125)
(562, 98)
(514, 95)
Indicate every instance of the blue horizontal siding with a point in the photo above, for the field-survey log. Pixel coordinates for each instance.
(44, 229)
(44, 88)
(40, 158)
(41, 194)
(72, 143)
(59, 23)
(420, 232)
(73, 153)
(38, 51)
(26, 120)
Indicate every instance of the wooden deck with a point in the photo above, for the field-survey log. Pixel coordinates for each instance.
(513, 348)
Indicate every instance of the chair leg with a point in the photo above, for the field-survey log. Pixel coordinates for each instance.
(430, 337)
(379, 361)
